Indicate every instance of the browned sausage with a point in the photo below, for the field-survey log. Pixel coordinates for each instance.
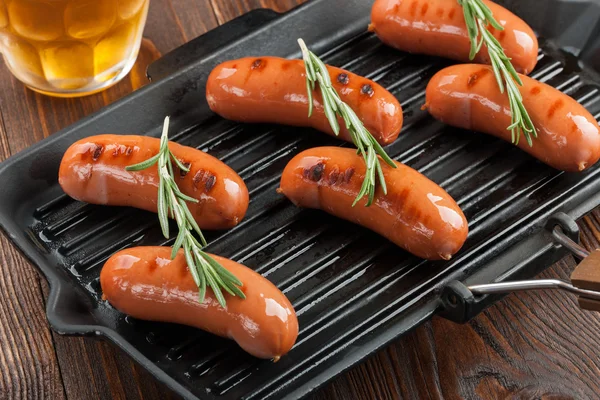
(93, 170)
(145, 283)
(270, 89)
(416, 214)
(438, 28)
(467, 96)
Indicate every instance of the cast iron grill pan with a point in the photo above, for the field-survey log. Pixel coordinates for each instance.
(353, 290)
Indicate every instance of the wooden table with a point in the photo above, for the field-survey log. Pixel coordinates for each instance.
(531, 345)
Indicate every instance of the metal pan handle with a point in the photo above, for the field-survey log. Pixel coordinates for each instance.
(540, 284)
(585, 278)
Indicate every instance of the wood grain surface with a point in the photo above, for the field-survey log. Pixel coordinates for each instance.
(531, 345)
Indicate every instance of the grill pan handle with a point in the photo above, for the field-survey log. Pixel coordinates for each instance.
(217, 38)
(585, 280)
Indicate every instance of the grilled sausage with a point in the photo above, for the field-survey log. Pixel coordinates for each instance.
(145, 283)
(93, 170)
(416, 214)
(467, 96)
(273, 90)
(438, 28)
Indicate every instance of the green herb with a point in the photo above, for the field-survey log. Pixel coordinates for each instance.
(478, 17)
(206, 271)
(334, 107)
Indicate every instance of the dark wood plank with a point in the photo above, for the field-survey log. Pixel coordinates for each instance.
(194, 17)
(227, 10)
(531, 345)
(94, 369)
(28, 364)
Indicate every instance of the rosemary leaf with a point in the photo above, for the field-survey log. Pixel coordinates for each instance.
(478, 17)
(144, 164)
(194, 225)
(178, 162)
(173, 202)
(309, 90)
(163, 209)
(178, 243)
(334, 107)
(211, 282)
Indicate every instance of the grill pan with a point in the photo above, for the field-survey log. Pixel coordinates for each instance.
(354, 292)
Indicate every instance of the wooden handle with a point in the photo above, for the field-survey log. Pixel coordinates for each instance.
(588, 304)
(587, 276)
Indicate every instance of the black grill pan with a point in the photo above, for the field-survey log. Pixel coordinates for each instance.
(354, 292)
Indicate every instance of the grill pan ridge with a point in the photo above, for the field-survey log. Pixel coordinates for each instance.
(353, 291)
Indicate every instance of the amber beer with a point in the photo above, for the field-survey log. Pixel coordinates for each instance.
(71, 47)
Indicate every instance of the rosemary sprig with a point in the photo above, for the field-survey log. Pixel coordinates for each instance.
(478, 17)
(368, 147)
(205, 270)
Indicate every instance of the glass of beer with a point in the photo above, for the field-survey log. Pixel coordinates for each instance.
(71, 48)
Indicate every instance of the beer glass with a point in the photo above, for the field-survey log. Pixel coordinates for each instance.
(71, 48)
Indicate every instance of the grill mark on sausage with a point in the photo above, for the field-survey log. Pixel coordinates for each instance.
(348, 174)
(426, 219)
(314, 173)
(535, 90)
(334, 176)
(424, 8)
(97, 152)
(414, 214)
(367, 89)
(413, 7)
(204, 177)
(343, 79)
(555, 107)
(451, 13)
(286, 65)
(198, 177)
(403, 196)
(501, 36)
(152, 265)
(476, 76)
(258, 64)
(210, 183)
(183, 172)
